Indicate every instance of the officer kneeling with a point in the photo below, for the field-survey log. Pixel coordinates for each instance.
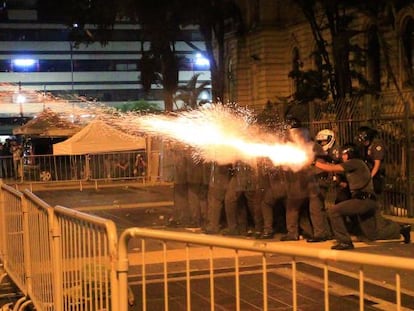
(362, 203)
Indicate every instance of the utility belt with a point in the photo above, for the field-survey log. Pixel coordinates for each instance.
(361, 195)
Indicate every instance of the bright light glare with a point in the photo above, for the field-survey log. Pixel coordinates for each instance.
(24, 62)
(200, 60)
(204, 96)
(20, 99)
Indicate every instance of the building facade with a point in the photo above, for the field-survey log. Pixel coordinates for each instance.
(37, 57)
(278, 37)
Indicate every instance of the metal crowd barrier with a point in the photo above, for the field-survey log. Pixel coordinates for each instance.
(14, 243)
(237, 247)
(88, 261)
(64, 260)
(131, 165)
(59, 259)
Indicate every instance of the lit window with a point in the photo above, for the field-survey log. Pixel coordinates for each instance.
(24, 64)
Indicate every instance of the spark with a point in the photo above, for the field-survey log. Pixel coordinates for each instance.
(226, 135)
(221, 133)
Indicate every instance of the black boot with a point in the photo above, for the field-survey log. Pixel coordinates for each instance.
(405, 231)
(341, 246)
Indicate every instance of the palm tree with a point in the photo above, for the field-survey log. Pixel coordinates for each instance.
(160, 26)
(213, 17)
(190, 92)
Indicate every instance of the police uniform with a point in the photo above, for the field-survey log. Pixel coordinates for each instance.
(218, 184)
(242, 185)
(181, 210)
(376, 151)
(305, 206)
(304, 196)
(362, 202)
(197, 186)
(273, 188)
(190, 190)
(372, 224)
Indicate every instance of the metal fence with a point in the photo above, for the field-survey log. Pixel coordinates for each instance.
(134, 165)
(208, 246)
(59, 259)
(63, 259)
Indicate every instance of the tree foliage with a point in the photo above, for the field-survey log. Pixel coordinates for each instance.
(139, 106)
(161, 22)
(190, 92)
(335, 29)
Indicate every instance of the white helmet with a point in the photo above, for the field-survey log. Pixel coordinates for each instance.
(326, 138)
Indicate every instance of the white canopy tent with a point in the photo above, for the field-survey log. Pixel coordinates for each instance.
(98, 137)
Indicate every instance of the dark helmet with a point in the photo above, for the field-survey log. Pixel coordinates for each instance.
(351, 150)
(365, 134)
(299, 134)
(292, 122)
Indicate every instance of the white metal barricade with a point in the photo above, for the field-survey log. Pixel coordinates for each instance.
(60, 259)
(89, 257)
(237, 246)
(14, 241)
(43, 254)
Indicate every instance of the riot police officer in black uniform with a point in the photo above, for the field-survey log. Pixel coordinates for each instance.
(362, 203)
(304, 195)
(373, 153)
(330, 152)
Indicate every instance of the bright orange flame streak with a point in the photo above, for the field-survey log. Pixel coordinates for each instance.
(225, 140)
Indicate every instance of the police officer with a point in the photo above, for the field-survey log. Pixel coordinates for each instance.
(181, 215)
(242, 188)
(190, 188)
(373, 154)
(218, 183)
(362, 203)
(304, 195)
(273, 187)
(329, 151)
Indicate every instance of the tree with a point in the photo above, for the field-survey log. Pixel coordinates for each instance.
(334, 30)
(139, 106)
(161, 22)
(160, 25)
(214, 18)
(190, 92)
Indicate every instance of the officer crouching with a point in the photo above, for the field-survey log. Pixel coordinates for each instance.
(362, 203)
